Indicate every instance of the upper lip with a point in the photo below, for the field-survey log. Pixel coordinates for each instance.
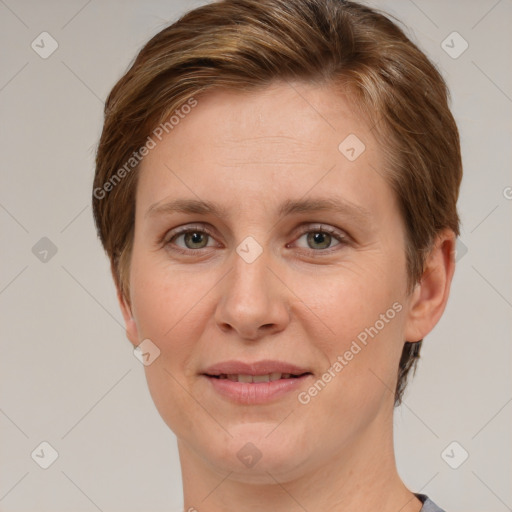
(262, 367)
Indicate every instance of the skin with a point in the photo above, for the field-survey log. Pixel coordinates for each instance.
(300, 301)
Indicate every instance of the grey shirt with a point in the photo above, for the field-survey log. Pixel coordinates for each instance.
(428, 505)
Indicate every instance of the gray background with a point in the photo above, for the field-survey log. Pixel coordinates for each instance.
(68, 375)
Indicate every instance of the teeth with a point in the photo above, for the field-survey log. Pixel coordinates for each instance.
(269, 377)
(261, 378)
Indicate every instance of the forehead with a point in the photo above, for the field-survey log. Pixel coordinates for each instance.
(280, 142)
(284, 117)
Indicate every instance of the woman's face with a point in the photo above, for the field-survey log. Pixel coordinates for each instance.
(301, 262)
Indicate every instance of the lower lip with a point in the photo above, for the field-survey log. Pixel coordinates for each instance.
(253, 393)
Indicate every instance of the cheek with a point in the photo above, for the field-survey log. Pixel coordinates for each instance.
(169, 311)
(350, 301)
(349, 316)
(363, 339)
(167, 304)
(173, 308)
(331, 308)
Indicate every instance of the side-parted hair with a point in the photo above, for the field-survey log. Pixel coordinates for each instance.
(250, 44)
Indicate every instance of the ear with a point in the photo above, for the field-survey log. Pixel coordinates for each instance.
(429, 298)
(129, 322)
(132, 332)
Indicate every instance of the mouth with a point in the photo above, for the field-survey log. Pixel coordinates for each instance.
(269, 377)
(255, 383)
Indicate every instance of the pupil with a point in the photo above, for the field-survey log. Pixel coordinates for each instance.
(323, 239)
(194, 238)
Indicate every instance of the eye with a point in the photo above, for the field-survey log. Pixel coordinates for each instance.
(190, 239)
(317, 239)
(321, 238)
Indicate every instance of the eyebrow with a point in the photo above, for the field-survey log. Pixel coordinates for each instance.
(200, 207)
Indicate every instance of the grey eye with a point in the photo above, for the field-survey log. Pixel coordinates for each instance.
(319, 240)
(195, 240)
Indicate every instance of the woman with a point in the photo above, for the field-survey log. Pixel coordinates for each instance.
(276, 189)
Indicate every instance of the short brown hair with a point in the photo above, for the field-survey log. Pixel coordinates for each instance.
(245, 44)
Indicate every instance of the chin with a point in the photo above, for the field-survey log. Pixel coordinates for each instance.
(254, 455)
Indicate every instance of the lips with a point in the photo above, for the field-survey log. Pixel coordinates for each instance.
(269, 377)
(256, 368)
(255, 383)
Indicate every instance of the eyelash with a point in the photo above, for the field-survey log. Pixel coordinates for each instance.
(341, 237)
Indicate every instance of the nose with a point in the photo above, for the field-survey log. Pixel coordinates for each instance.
(254, 302)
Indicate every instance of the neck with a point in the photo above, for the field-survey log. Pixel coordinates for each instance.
(360, 476)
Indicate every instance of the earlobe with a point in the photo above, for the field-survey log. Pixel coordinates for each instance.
(126, 308)
(129, 321)
(429, 298)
